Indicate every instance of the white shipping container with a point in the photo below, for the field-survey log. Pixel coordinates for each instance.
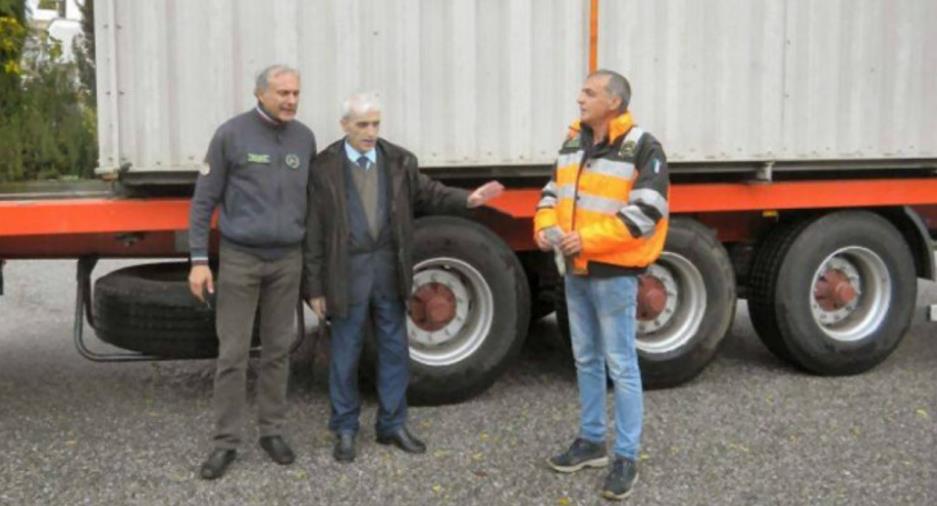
(733, 80)
(494, 82)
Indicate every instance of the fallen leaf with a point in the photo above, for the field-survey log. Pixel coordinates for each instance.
(737, 447)
(299, 474)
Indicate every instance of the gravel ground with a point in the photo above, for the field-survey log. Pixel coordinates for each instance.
(749, 430)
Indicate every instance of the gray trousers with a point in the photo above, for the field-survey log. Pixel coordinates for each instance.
(244, 281)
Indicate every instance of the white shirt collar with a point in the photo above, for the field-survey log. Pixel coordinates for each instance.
(353, 154)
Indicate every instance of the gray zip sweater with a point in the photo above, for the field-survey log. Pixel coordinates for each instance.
(257, 171)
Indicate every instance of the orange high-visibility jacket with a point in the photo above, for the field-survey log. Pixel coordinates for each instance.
(615, 194)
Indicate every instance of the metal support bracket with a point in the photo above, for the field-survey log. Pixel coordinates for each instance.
(764, 173)
(83, 311)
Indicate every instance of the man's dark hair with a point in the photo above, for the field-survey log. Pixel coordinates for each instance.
(617, 86)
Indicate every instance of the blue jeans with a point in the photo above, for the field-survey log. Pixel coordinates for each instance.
(393, 365)
(602, 327)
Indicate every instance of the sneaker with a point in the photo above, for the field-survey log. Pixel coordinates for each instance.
(621, 479)
(581, 454)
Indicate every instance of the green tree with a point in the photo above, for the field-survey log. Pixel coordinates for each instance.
(84, 53)
(49, 127)
(13, 33)
(12, 39)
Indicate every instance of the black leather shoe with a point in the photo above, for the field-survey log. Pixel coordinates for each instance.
(278, 450)
(217, 463)
(344, 450)
(401, 438)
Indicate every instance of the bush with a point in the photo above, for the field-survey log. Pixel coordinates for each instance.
(48, 129)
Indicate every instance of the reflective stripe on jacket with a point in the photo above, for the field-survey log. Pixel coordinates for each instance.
(615, 194)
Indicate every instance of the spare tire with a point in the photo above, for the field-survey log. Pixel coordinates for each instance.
(148, 308)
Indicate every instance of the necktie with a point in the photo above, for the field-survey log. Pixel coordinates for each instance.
(363, 162)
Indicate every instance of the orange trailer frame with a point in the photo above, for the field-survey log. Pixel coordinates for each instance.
(156, 227)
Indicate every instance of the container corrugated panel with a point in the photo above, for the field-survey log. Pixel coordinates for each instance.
(493, 82)
(463, 82)
(742, 80)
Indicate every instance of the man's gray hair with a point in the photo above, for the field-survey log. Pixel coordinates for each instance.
(361, 103)
(617, 86)
(265, 75)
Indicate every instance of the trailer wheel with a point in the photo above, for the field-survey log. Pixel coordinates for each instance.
(686, 303)
(148, 308)
(844, 293)
(469, 311)
(685, 306)
(762, 281)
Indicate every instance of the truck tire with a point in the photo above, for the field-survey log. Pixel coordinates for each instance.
(457, 355)
(148, 308)
(843, 293)
(541, 301)
(697, 275)
(675, 344)
(762, 281)
(542, 278)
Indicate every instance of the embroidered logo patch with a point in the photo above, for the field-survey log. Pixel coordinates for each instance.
(627, 149)
(204, 169)
(258, 158)
(292, 161)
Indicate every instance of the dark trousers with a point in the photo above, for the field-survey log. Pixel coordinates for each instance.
(393, 355)
(244, 282)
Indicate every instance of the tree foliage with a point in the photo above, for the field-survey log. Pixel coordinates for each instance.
(12, 38)
(48, 125)
(84, 52)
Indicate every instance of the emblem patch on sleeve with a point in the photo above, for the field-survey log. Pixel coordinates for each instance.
(292, 161)
(204, 169)
(627, 149)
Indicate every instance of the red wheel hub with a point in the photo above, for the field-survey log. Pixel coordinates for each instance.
(652, 297)
(834, 290)
(432, 306)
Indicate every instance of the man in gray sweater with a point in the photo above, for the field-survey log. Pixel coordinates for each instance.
(257, 171)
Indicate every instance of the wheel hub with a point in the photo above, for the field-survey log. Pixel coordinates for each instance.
(652, 297)
(451, 311)
(658, 293)
(432, 306)
(836, 291)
